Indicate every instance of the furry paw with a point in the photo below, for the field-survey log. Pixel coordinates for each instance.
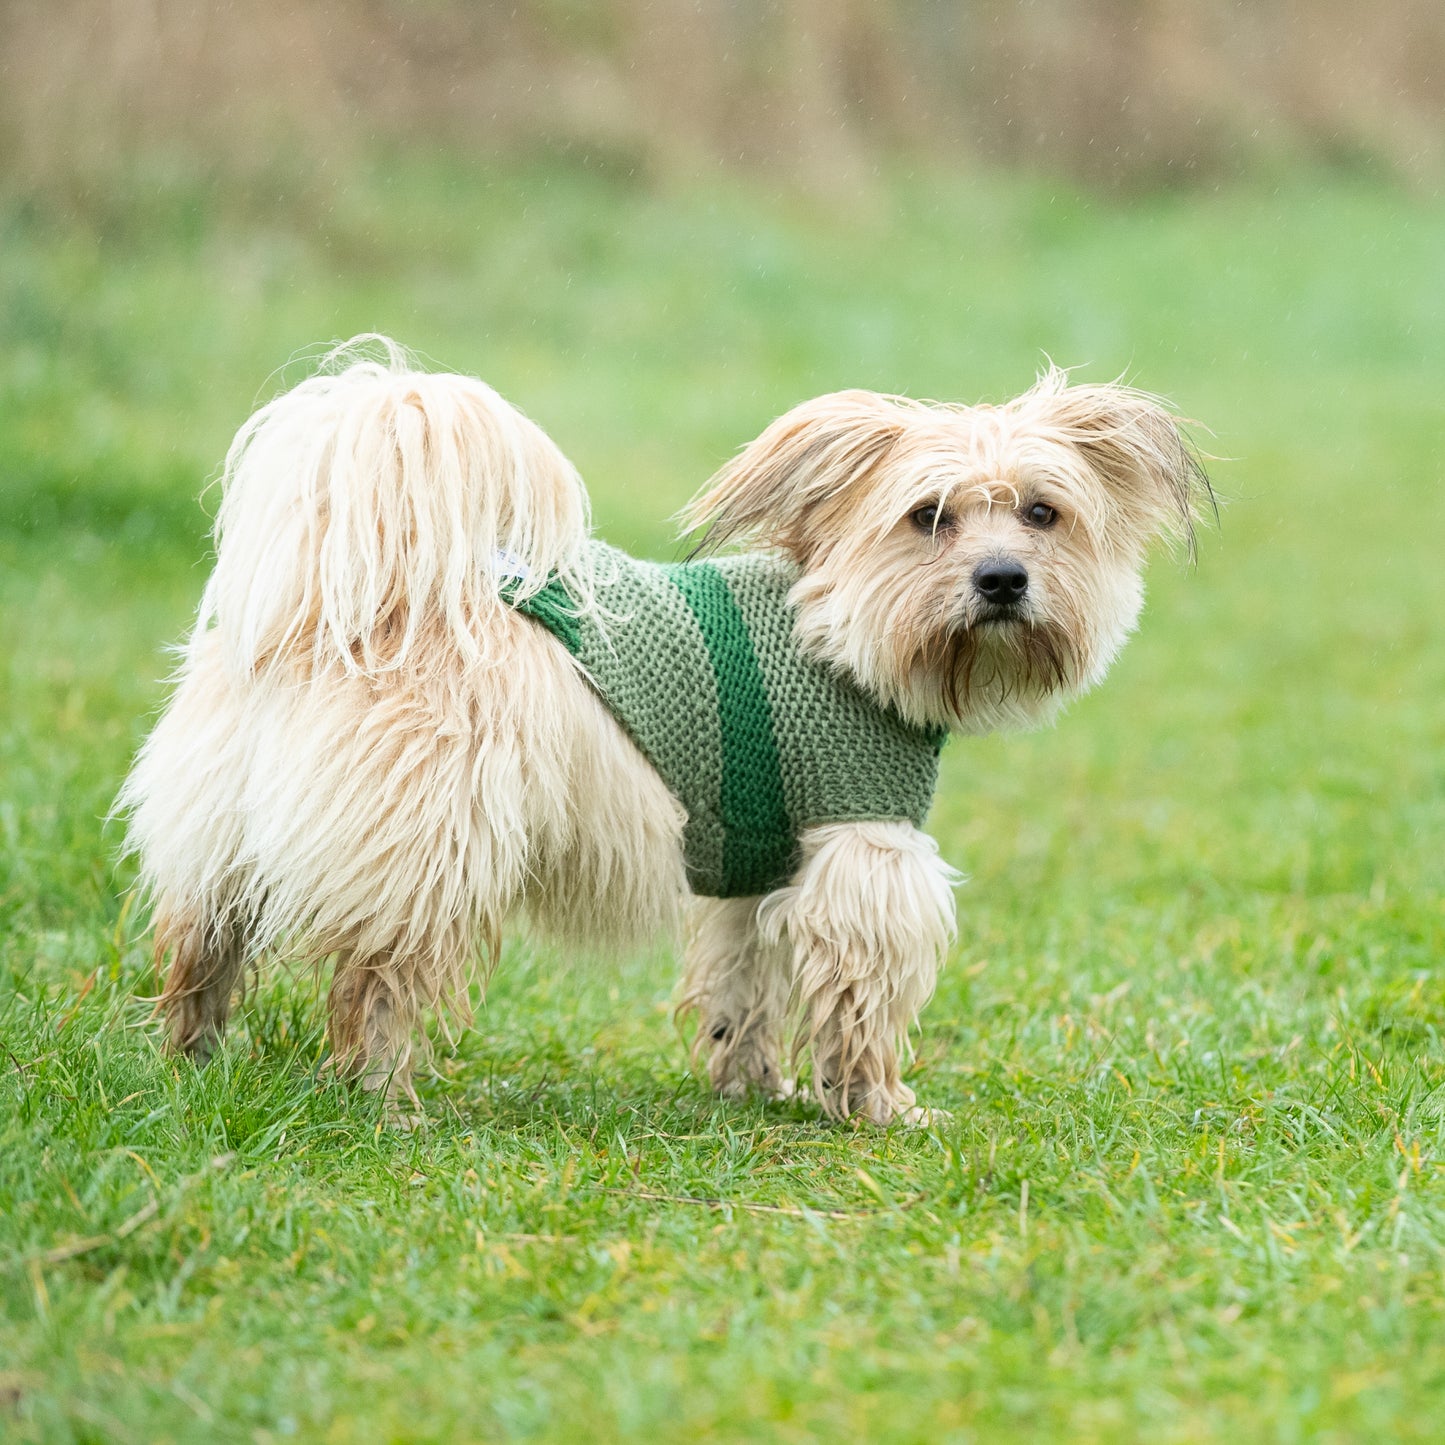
(745, 1064)
(917, 1117)
(879, 1105)
(201, 1049)
(773, 1087)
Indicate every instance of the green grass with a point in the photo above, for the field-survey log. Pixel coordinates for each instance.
(1194, 1185)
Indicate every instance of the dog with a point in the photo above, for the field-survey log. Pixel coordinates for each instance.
(403, 715)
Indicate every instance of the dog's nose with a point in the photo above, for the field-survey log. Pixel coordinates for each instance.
(1002, 581)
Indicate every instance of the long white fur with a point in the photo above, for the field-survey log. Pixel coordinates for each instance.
(869, 919)
(374, 499)
(853, 945)
(739, 984)
(369, 755)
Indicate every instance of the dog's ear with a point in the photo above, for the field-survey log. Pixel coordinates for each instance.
(810, 457)
(1137, 448)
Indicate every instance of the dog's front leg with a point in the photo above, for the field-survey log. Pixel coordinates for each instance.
(869, 918)
(737, 983)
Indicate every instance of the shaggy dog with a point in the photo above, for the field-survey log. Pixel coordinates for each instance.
(394, 727)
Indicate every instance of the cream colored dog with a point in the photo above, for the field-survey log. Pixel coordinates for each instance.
(374, 754)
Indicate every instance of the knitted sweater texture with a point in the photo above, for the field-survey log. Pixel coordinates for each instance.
(698, 662)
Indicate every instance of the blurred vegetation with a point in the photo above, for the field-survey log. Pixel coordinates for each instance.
(273, 93)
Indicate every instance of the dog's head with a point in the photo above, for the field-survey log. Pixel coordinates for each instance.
(972, 566)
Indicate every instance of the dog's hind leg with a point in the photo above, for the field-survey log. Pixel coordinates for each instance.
(372, 1017)
(737, 983)
(207, 959)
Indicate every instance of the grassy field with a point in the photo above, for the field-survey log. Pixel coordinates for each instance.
(1194, 1184)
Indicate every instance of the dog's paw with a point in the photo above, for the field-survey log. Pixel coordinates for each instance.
(201, 1049)
(918, 1117)
(774, 1088)
(883, 1107)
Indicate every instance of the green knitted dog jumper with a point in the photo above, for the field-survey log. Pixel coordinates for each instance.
(699, 664)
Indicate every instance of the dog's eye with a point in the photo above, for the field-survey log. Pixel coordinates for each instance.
(1041, 515)
(929, 519)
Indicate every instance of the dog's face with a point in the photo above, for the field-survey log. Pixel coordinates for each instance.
(972, 566)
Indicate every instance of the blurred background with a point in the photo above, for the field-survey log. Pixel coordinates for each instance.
(655, 226)
(666, 219)
(1117, 93)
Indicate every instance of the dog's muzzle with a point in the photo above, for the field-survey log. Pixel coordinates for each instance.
(1001, 586)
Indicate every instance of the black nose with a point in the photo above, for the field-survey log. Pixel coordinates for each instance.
(1001, 581)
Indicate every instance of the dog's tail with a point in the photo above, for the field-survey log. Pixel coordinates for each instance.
(376, 508)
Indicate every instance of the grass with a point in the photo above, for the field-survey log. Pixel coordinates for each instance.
(1194, 1185)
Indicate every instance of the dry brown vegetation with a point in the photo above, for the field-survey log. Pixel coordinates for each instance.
(1114, 92)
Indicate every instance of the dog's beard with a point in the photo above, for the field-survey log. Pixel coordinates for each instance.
(995, 663)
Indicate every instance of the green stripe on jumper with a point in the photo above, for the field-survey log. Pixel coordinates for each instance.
(551, 605)
(758, 843)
